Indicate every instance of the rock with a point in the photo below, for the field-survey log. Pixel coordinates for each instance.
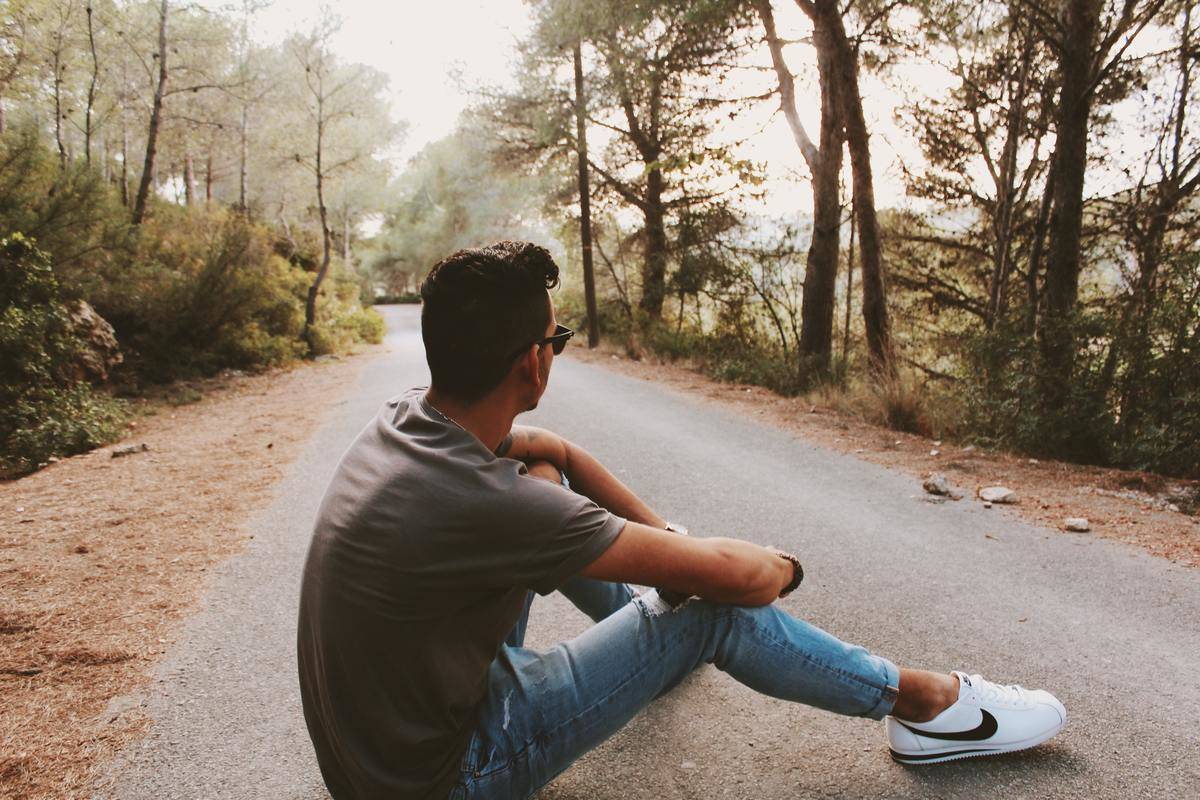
(936, 484)
(998, 494)
(969, 448)
(987, 504)
(100, 352)
(935, 452)
(129, 450)
(1077, 524)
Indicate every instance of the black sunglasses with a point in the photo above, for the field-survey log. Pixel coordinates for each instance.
(558, 341)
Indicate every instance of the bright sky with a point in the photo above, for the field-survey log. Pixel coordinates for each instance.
(421, 46)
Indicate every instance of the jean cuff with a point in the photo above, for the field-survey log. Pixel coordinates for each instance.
(888, 693)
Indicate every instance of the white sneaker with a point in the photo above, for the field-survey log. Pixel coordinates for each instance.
(987, 719)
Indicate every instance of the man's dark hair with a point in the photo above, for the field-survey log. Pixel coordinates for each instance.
(479, 307)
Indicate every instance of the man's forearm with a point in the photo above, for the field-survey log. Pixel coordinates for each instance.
(590, 478)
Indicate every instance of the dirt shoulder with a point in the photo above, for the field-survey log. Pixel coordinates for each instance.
(1127, 506)
(100, 557)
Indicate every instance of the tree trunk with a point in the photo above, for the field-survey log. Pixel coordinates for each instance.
(310, 306)
(1002, 220)
(244, 166)
(654, 268)
(124, 162)
(143, 193)
(1066, 218)
(825, 164)
(58, 114)
(208, 179)
(189, 180)
(820, 274)
(345, 237)
(1039, 244)
(585, 210)
(849, 293)
(880, 348)
(91, 95)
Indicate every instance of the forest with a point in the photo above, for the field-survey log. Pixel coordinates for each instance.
(176, 199)
(1034, 287)
(206, 202)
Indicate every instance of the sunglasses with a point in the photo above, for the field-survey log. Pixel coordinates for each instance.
(558, 341)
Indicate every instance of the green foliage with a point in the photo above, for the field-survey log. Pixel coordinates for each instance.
(452, 195)
(72, 215)
(341, 321)
(45, 410)
(204, 291)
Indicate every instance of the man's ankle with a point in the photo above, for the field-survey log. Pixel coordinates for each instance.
(924, 695)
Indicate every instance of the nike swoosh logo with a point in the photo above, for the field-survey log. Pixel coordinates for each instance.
(985, 730)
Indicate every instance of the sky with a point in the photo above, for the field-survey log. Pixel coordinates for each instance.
(419, 46)
(435, 52)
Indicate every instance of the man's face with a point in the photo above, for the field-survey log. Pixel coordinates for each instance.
(545, 353)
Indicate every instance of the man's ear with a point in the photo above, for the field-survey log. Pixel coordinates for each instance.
(531, 364)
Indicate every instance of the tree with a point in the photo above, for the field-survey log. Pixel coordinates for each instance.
(343, 129)
(1159, 221)
(1090, 51)
(655, 75)
(825, 166)
(585, 211)
(985, 145)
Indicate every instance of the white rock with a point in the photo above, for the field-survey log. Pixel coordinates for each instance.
(998, 494)
(1077, 524)
(936, 484)
(935, 452)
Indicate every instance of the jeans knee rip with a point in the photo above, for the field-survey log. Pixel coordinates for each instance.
(651, 604)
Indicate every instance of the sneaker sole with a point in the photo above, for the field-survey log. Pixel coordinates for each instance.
(938, 757)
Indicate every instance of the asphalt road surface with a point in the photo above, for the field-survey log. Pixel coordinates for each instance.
(1113, 632)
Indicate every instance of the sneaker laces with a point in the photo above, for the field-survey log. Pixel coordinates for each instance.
(988, 691)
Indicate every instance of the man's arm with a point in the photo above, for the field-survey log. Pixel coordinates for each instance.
(588, 476)
(721, 570)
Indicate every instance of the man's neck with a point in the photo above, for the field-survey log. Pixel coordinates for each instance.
(489, 422)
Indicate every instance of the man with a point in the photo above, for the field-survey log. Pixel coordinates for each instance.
(443, 518)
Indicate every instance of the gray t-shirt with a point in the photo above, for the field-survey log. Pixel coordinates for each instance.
(424, 548)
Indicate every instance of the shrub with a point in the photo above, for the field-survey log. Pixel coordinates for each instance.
(44, 410)
(205, 291)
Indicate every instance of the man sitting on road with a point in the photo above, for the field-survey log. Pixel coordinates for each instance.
(443, 519)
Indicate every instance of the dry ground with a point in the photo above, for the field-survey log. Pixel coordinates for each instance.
(101, 556)
(1119, 504)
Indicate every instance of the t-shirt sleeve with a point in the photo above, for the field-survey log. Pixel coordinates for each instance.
(545, 533)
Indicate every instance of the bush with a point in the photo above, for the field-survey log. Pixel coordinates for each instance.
(44, 410)
(205, 291)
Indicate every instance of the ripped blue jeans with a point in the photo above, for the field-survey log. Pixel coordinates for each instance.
(545, 710)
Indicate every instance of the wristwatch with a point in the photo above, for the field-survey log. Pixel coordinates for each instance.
(797, 573)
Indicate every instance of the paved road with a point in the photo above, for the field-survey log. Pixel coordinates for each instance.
(1114, 632)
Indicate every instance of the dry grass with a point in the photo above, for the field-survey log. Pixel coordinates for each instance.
(100, 556)
(1120, 504)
